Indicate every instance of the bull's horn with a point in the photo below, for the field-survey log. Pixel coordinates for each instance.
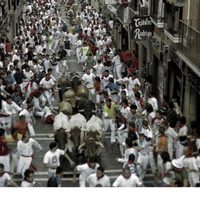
(100, 144)
(94, 111)
(82, 110)
(81, 145)
(67, 131)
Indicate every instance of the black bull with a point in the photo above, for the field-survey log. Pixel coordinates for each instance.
(65, 84)
(92, 146)
(86, 107)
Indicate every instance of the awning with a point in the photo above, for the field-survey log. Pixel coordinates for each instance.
(125, 14)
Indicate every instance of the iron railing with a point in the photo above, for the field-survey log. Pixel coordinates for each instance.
(189, 37)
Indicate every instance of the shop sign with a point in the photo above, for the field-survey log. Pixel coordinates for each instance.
(142, 28)
(110, 2)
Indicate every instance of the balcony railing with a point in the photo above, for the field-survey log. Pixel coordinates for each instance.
(190, 37)
(189, 42)
(3, 19)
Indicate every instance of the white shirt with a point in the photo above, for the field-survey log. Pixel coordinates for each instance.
(105, 80)
(28, 75)
(171, 135)
(125, 111)
(190, 163)
(198, 143)
(116, 60)
(47, 84)
(127, 153)
(99, 69)
(93, 180)
(111, 23)
(133, 181)
(47, 112)
(147, 131)
(167, 168)
(10, 109)
(198, 161)
(28, 115)
(26, 149)
(183, 131)
(153, 101)
(4, 179)
(53, 158)
(27, 184)
(132, 83)
(85, 171)
(89, 80)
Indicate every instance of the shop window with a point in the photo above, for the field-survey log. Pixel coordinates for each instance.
(9, 5)
(2, 11)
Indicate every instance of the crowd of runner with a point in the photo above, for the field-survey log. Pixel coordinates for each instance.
(147, 131)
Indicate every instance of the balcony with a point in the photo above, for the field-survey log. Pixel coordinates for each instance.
(172, 35)
(178, 3)
(189, 44)
(157, 13)
(3, 20)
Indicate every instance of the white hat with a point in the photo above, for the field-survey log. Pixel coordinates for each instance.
(177, 163)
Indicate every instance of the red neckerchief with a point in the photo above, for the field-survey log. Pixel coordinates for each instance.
(2, 174)
(181, 125)
(109, 106)
(130, 162)
(3, 140)
(15, 138)
(98, 178)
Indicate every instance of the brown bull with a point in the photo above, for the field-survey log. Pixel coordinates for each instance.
(66, 108)
(69, 96)
(60, 138)
(75, 136)
(92, 145)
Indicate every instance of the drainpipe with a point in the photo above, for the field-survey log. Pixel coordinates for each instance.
(160, 10)
(188, 16)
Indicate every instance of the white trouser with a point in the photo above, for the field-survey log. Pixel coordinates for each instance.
(14, 157)
(160, 164)
(193, 178)
(23, 164)
(143, 161)
(57, 70)
(78, 55)
(115, 98)
(6, 123)
(179, 150)
(47, 97)
(64, 64)
(171, 150)
(82, 181)
(122, 135)
(54, 45)
(68, 52)
(5, 160)
(39, 113)
(51, 172)
(31, 129)
(92, 94)
(36, 103)
(118, 71)
(110, 123)
(98, 98)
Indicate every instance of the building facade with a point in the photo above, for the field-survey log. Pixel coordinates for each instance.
(10, 14)
(172, 55)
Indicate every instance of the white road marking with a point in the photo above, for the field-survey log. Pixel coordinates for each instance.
(70, 173)
(71, 179)
(52, 138)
